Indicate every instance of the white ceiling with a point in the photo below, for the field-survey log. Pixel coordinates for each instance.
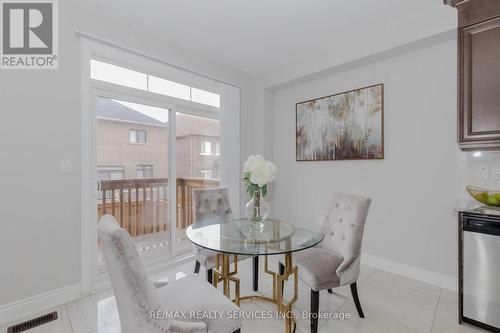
(257, 36)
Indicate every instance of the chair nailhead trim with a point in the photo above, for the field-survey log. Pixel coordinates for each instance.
(348, 269)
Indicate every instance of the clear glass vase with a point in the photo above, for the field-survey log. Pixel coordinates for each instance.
(257, 210)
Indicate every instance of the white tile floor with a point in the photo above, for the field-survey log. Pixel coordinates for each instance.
(391, 304)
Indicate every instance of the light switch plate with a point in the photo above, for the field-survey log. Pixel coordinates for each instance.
(495, 173)
(483, 172)
(66, 166)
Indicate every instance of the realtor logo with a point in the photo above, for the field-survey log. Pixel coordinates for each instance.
(29, 34)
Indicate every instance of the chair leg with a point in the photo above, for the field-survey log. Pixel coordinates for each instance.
(314, 310)
(354, 292)
(255, 273)
(210, 275)
(197, 266)
(330, 291)
(282, 271)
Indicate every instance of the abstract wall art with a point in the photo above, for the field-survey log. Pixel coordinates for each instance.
(344, 126)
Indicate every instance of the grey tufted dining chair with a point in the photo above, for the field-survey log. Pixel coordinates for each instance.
(142, 304)
(209, 205)
(335, 262)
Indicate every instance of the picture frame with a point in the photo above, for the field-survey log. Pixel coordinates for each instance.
(343, 126)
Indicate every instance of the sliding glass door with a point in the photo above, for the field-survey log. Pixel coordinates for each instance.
(134, 162)
(198, 164)
(132, 167)
(152, 136)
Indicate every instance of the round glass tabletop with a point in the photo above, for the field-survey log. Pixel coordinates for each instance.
(240, 236)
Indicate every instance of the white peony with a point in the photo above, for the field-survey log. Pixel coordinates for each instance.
(261, 171)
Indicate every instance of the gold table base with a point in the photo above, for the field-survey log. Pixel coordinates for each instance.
(222, 272)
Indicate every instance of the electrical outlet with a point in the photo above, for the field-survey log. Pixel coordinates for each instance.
(483, 173)
(495, 173)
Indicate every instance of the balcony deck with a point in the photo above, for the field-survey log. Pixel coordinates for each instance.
(141, 207)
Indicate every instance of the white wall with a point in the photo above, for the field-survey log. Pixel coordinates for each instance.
(40, 207)
(412, 218)
(41, 124)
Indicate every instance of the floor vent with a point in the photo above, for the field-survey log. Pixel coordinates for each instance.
(27, 325)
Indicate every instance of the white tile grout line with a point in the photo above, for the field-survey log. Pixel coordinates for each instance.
(69, 318)
(435, 311)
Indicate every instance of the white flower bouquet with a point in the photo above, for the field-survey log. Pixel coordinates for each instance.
(257, 174)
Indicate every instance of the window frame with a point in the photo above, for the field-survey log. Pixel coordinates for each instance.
(110, 167)
(203, 148)
(217, 148)
(137, 131)
(209, 172)
(144, 168)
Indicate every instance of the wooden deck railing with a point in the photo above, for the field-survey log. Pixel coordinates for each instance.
(141, 205)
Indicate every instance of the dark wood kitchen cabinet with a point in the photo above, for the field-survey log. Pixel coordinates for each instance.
(479, 74)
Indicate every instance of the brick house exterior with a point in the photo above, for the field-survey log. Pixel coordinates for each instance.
(192, 133)
(120, 158)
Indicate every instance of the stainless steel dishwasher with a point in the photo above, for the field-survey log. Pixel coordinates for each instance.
(481, 271)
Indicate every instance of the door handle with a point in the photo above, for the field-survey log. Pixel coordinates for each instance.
(97, 186)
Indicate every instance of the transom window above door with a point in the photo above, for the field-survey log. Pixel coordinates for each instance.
(119, 75)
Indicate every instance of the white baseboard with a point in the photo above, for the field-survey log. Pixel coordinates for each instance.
(33, 305)
(412, 272)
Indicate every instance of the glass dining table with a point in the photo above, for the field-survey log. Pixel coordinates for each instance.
(231, 236)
